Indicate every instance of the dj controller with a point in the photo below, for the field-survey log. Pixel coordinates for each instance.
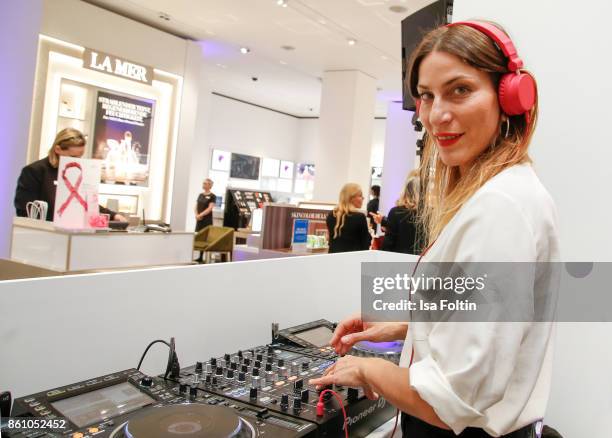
(262, 391)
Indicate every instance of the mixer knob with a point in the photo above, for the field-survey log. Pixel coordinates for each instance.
(253, 393)
(270, 377)
(214, 380)
(209, 368)
(226, 356)
(305, 366)
(255, 372)
(198, 367)
(268, 367)
(283, 372)
(352, 394)
(281, 363)
(304, 395)
(295, 367)
(244, 368)
(239, 353)
(241, 376)
(213, 361)
(298, 385)
(182, 388)
(256, 382)
(219, 371)
(270, 349)
(297, 403)
(259, 357)
(284, 404)
(146, 381)
(270, 359)
(193, 391)
(246, 361)
(233, 365)
(207, 379)
(257, 364)
(229, 374)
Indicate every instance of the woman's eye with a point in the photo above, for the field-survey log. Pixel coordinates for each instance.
(426, 96)
(461, 91)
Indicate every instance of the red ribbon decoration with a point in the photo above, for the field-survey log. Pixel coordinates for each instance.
(73, 188)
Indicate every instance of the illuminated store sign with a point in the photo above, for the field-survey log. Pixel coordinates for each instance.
(110, 64)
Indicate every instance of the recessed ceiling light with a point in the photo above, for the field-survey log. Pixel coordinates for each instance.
(282, 3)
(288, 48)
(351, 42)
(283, 62)
(245, 50)
(164, 16)
(398, 9)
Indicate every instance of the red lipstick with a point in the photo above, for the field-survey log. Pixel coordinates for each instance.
(446, 139)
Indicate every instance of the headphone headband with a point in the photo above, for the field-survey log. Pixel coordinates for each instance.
(502, 40)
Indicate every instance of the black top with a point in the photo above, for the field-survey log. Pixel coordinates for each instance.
(372, 206)
(354, 235)
(37, 182)
(203, 202)
(400, 231)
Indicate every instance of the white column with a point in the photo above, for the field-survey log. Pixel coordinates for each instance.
(400, 154)
(342, 155)
(191, 162)
(18, 44)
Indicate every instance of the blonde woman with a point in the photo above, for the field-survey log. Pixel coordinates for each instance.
(347, 226)
(400, 225)
(37, 181)
(470, 379)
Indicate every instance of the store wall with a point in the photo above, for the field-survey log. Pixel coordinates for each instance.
(565, 44)
(18, 42)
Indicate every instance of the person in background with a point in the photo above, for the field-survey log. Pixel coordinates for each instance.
(348, 227)
(400, 225)
(373, 203)
(204, 206)
(38, 180)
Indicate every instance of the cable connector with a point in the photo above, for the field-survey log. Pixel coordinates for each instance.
(320, 408)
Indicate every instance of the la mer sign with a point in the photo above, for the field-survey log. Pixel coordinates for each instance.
(99, 61)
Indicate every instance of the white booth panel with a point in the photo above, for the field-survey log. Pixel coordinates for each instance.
(41, 248)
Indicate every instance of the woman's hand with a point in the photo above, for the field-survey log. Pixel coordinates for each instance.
(377, 217)
(119, 217)
(348, 371)
(353, 329)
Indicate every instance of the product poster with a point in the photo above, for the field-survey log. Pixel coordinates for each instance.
(122, 138)
(76, 195)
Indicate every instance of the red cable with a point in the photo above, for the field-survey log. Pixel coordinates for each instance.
(321, 406)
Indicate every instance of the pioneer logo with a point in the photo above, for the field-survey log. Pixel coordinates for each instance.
(381, 403)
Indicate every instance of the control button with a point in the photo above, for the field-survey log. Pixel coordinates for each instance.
(146, 381)
(93, 430)
(219, 371)
(297, 403)
(292, 378)
(298, 385)
(77, 435)
(284, 404)
(30, 400)
(279, 383)
(39, 408)
(262, 413)
(213, 361)
(198, 367)
(45, 412)
(253, 393)
(281, 363)
(304, 395)
(305, 366)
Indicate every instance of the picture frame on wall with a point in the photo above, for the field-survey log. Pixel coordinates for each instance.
(220, 160)
(244, 167)
(286, 169)
(270, 168)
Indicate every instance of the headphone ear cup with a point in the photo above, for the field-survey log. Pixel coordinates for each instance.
(517, 93)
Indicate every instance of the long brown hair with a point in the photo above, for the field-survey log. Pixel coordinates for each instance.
(344, 207)
(65, 139)
(409, 197)
(445, 190)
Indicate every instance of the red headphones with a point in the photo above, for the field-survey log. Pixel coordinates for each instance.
(517, 91)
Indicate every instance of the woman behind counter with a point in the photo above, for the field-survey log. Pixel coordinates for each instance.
(204, 206)
(38, 180)
(348, 227)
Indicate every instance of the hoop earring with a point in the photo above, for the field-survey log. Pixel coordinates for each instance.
(506, 127)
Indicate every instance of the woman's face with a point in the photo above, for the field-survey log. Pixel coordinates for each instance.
(206, 185)
(459, 108)
(357, 200)
(72, 151)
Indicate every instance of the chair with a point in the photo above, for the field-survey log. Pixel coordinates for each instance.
(214, 239)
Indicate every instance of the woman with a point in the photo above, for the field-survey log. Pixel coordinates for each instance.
(348, 228)
(204, 206)
(37, 181)
(400, 225)
(472, 379)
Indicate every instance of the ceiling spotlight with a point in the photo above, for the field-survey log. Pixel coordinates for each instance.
(282, 3)
(245, 50)
(288, 48)
(351, 42)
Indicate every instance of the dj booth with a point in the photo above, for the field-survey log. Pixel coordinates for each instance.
(71, 346)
